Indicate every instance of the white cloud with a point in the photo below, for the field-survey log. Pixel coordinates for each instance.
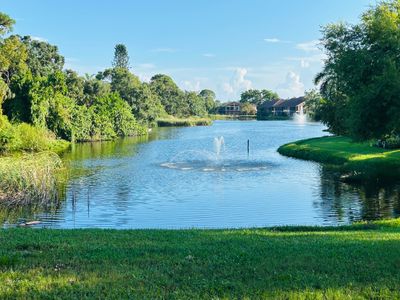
(272, 40)
(237, 84)
(166, 50)
(38, 38)
(292, 87)
(275, 40)
(208, 55)
(311, 46)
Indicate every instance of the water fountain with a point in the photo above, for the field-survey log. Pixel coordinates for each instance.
(300, 117)
(217, 161)
(219, 144)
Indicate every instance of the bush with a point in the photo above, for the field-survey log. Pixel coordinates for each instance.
(7, 133)
(27, 138)
(389, 142)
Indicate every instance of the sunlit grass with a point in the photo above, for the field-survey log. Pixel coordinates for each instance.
(351, 262)
(351, 156)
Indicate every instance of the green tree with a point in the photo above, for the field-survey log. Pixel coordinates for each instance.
(195, 105)
(248, 109)
(251, 96)
(121, 57)
(75, 86)
(146, 106)
(14, 75)
(268, 95)
(313, 104)
(43, 58)
(171, 97)
(208, 97)
(360, 82)
(13, 57)
(92, 89)
(6, 24)
(257, 97)
(121, 81)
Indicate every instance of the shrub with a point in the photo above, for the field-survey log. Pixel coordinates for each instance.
(7, 133)
(27, 138)
(389, 142)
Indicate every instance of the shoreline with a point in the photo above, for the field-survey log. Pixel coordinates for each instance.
(356, 161)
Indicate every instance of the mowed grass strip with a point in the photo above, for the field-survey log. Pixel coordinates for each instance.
(360, 261)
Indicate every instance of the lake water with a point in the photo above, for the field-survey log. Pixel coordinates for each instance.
(174, 179)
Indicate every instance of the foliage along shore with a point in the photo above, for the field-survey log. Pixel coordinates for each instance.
(30, 168)
(351, 262)
(45, 107)
(357, 160)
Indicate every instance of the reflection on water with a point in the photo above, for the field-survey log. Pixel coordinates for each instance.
(342, 202)
(173, 179)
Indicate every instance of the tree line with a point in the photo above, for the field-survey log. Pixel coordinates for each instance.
(35, 89)
(360, 81)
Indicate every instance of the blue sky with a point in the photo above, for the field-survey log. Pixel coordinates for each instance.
(225, 45)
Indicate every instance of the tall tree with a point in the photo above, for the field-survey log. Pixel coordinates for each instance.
(257, 97)
(43, 58)
(6, 23)
(121, 57)
(268, 95)
(13, 57)
(360, 81)
(171, 97)
(208, 97)
(251, 96)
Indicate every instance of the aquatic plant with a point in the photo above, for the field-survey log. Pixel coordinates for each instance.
(30, 178)
(172, 122)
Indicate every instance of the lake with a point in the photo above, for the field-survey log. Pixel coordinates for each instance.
(175, 179)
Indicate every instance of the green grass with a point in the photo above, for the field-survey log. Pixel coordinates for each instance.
(353, 262)
(362, 158)
(183, 122)
(30, 179)
(233, 117)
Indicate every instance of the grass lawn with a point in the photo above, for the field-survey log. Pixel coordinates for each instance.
(351, 156)
(353, 262)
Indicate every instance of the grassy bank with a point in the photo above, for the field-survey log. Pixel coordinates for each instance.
(361, 159)
(185, 122)
(233, 117)
(354, 262)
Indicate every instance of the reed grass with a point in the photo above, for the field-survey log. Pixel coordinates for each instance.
(185, 122)
(233, 117)
(30, 178)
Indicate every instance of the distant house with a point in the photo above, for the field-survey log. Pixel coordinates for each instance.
(230, 108)
(266, 107)
(282, 107)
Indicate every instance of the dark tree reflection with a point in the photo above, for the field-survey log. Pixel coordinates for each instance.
(343, 202)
